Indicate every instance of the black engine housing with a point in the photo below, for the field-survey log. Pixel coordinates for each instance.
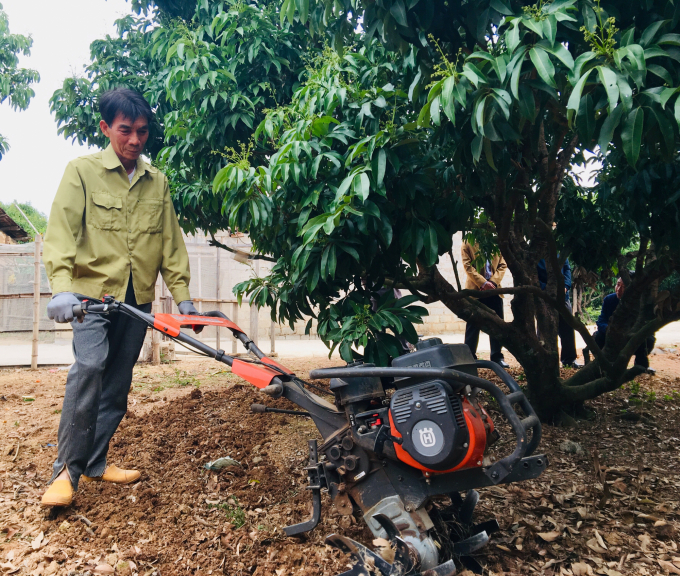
(430, 419)
(428, 415)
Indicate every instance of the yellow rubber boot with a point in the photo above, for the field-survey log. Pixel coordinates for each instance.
(115, 475)
(60, 493)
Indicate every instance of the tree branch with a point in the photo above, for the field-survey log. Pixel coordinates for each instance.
(455, 270)
(640, 261)
(601, 385)
(248, 255)
(573, 322)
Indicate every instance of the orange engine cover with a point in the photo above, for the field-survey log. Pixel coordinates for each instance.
(477, 444)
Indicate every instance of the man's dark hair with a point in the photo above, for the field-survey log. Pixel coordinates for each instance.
(130, 103)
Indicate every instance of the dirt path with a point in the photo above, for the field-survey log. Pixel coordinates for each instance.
(183, 519)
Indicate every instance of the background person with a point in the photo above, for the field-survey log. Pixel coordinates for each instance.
(112, 229)
(564, 331)
(489, 278)
(609, 304)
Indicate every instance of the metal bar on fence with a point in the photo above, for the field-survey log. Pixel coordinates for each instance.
(234, 319)
(36, 303)
(254, 312)
(272, 338)
(155, 335)
(25, 295)
(217, 295)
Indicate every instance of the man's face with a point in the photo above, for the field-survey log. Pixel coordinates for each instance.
(128, 137)
(619, 288)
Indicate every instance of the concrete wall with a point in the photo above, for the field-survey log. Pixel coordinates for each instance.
(440, 321)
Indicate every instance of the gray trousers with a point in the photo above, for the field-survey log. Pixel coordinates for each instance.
(95, 401)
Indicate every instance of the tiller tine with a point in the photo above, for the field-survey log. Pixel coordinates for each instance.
(367, 562)
(402, 559)
(357, 570)
(463, 548)
(387, 525)
(471, 544)
(446, 569)
(489, 526)
(471, 564)
(467, 508)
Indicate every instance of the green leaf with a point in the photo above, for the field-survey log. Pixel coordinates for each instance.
(625, 92)
(478, 116)
(672, 39)
(637, 56)
(424, 116)
(303, 7)
(512, 36)
(550, 29)
(533, 25)
(651, 31)
(435, 112)
(477, 147)
(575, 98)
(543, 66)
(608, 79)
(398, 11)
(379, 163)
(527, 102)
(362, 186)
(504, 101)
(332, 262)
(557, 5)
(474, 75)
(313, 279)
(430, 246)
(500, 7)
(667, 94)
(291, 12)
(284, 9)
(661, 72)
(585, 120)
(406, 300)
(482, 56)
(488, 153)
(560, 52)
(631, 135)
(500, 67)
(578, 65)
(386, 229)
(516, 71)
(607, 131)
(628, 37)
(676, 110)
(666, 130)
(448, 102)
(351, 251)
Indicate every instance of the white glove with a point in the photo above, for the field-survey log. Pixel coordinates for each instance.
(60, 308)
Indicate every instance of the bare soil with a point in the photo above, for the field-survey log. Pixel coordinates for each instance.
(608, 504)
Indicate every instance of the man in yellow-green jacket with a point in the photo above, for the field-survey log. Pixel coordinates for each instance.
(112, 229)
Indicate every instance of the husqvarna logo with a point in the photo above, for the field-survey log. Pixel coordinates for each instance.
(427, 438)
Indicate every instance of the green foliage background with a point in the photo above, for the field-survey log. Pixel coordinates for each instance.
(351, 154)
(38, 219)
(15, 82)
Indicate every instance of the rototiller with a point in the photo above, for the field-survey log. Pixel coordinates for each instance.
(399, 446)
